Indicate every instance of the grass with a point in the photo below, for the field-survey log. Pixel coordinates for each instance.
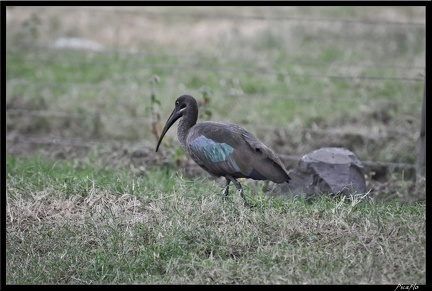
(77, 86)
(72, 224)
(115, 212)
(290, 49)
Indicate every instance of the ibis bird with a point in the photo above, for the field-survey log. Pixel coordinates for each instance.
(223, 149)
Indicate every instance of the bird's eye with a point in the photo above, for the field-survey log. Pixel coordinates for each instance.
(177, 103)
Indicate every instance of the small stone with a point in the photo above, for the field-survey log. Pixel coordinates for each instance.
(324, 171)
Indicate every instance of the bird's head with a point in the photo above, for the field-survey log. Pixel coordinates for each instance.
(185, 106)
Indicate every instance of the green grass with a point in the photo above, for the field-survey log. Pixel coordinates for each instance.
(89, 82)
(118, 90)
(74, 224)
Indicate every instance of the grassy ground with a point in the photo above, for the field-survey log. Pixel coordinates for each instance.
(72, 224)
(88, 200)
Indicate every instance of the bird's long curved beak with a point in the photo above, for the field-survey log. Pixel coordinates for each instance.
(176, 114)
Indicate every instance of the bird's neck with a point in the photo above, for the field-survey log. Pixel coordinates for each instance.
(185, 124)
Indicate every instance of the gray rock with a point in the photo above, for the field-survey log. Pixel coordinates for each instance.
(324, 171)
(77, 44)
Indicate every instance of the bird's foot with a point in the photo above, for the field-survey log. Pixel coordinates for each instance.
(246, 205)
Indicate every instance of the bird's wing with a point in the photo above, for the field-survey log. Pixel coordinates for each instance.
(226, 148)
(264, 160)
(213, 156)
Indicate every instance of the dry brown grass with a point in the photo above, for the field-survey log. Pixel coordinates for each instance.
(192, 237)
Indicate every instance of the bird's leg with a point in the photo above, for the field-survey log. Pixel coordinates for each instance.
(225, 192)
(239, 188)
